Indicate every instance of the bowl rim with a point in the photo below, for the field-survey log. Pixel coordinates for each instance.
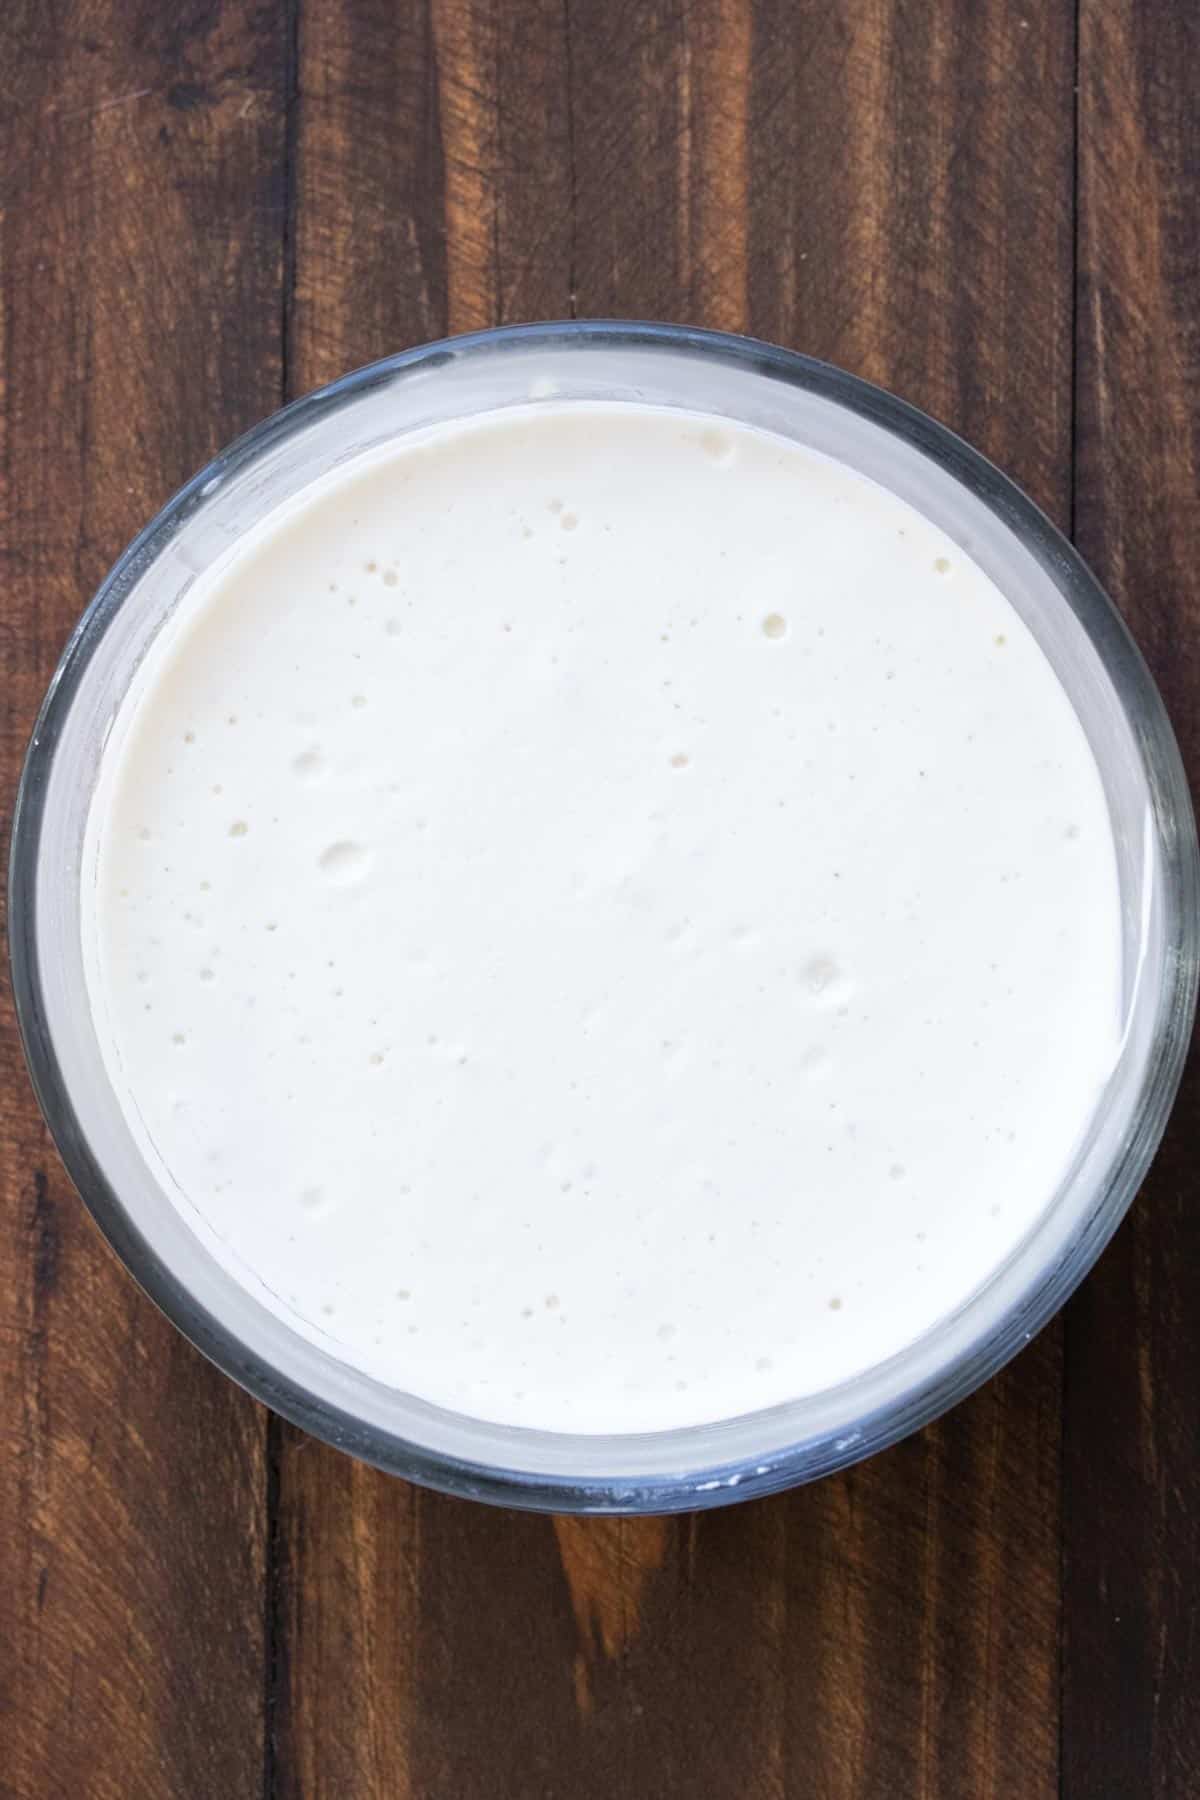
(806, 1458)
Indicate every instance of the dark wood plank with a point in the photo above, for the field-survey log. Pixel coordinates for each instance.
(1132, 1518)
(889, 186)
(140, 238)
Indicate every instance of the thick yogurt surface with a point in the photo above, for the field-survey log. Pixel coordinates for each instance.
(603, 918)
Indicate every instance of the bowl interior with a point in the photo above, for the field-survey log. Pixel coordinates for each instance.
(174, 1256)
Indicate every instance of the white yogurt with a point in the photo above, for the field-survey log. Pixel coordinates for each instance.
(604, 918)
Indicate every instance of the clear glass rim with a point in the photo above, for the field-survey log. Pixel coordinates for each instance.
(807, 1458)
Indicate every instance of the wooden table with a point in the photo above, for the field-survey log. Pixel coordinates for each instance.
(208, 206)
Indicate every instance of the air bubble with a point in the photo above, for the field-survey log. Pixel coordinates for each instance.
(820, 975)
(344, 862)
(716, 445)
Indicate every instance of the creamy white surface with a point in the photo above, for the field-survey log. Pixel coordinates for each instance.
(606, 919)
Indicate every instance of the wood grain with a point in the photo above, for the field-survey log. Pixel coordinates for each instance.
(139, 270)
(203, 206)
(1132, 1518)
(891, 187)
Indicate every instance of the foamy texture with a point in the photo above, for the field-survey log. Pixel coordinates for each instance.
(604, 919)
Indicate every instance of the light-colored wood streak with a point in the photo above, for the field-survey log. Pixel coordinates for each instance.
(608, 1564)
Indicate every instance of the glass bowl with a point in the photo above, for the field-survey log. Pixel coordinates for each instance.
(1079, 631)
